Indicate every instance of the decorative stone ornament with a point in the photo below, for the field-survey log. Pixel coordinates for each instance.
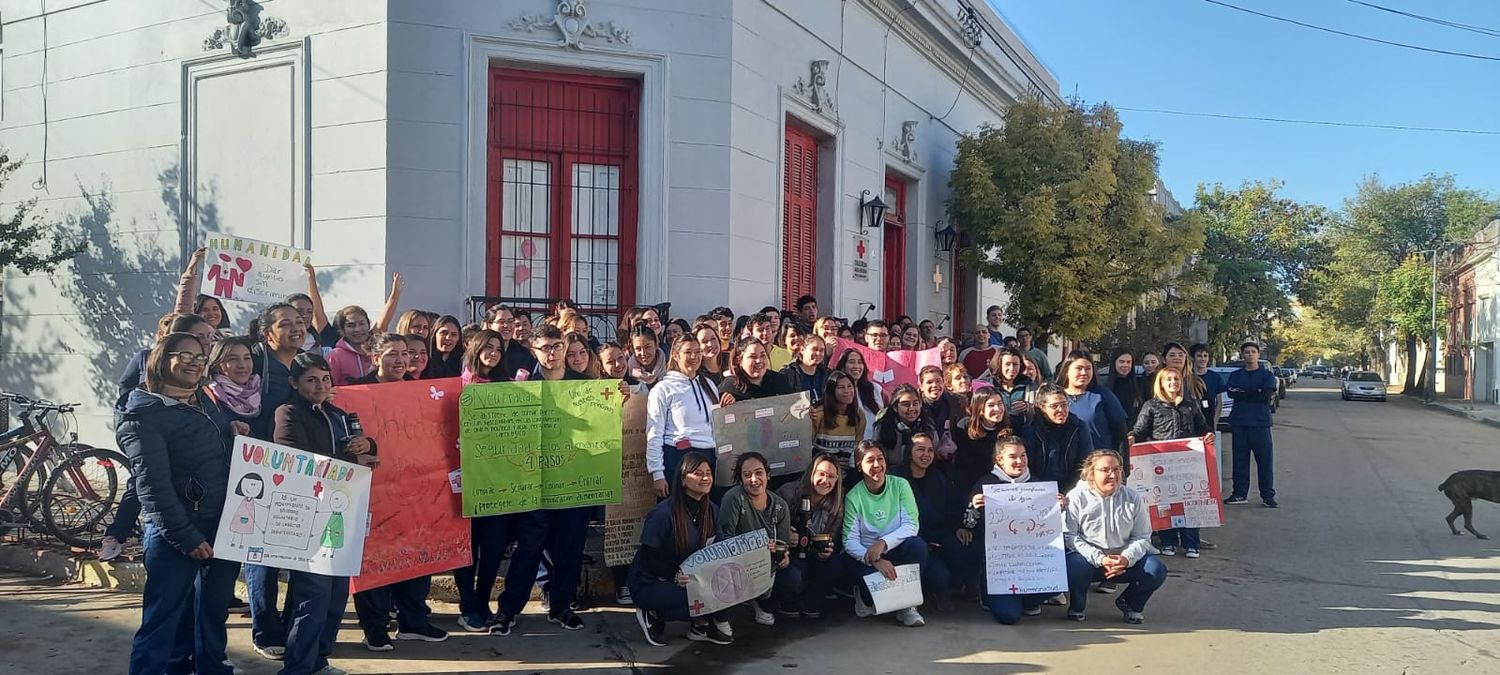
(245, 30)
(815, 87)
(571, 20)
(906, 143)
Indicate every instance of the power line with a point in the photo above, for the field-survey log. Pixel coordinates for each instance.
(1431, 19)
(1325, 123)
(1356, 36)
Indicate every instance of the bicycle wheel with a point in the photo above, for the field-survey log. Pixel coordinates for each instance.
(26, 502)
(81, 493)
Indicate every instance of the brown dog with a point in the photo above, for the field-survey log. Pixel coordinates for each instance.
(1463, 487)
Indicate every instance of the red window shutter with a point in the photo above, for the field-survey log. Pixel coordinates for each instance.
(799, 220)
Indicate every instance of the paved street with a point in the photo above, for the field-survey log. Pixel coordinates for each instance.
(1356, 573)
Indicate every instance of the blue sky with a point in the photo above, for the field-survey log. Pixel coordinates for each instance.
(1191, 55)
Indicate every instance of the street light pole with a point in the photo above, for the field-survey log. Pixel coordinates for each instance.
(1432, 342)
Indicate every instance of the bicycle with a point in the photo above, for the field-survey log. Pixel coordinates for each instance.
(82, 484)
(16, 448)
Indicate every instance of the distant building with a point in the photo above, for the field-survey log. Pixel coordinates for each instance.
(1470, 362)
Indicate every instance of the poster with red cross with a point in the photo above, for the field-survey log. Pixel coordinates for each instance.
(1179, 480)
(249, 270)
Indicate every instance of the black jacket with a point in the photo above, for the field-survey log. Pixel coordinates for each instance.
(1163, 421)
(894, 436)
(940, 504)
(1055, 452)
(179, 457)
(800, 381)
(772, 384)
(322, 430)
(974, 456)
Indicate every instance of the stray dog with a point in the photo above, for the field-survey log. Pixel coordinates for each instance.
(1463, 487)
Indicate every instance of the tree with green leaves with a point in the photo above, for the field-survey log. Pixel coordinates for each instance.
(1380, 279)
(24, 240)
(1056, 206)
(1263, 247)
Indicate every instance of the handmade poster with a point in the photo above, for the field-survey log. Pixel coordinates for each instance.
(1023, 539)
(416, 514)
(539, 444)
(622, 522)
(778, 427)
(249, 270)
(729, 572)
(1179, 481)
(883, 371)
(293, 510)
(917, 360)
(904, 591)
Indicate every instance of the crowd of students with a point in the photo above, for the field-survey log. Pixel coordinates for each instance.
(897, 479)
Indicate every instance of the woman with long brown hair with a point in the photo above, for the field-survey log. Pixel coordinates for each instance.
(675, 529)
(871, 398)
(985, 421)
(679, 414)
(817, 502)
(841, 426)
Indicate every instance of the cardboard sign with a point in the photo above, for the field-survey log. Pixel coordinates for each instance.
(1023, 539)
(539, 444)
(882, 370)
(1179, 481)
(293, 510)
(727, 573)
(249, 270)
(622, 522)
(416, 515)
(778, 427)
(889, 595)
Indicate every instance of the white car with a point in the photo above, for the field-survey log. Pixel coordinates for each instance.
(1364, 384)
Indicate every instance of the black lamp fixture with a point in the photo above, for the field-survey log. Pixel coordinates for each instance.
(946, 236)
(874, 210)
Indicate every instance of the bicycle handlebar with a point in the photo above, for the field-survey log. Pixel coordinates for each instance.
(36, 404)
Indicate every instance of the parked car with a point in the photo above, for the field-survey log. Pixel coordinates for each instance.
(1318, 372)
(1364, 384)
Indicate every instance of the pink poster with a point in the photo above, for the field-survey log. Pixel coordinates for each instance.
(884, 370)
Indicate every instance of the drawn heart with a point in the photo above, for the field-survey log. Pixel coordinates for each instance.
(276, 479)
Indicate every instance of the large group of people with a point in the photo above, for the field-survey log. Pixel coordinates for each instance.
(897, 478)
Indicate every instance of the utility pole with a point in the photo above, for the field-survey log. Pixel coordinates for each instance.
(1432, 350)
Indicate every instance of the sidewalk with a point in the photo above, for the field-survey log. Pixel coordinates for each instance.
(1484, 413)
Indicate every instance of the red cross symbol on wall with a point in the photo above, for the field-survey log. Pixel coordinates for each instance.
(859, 247)
(697, 606)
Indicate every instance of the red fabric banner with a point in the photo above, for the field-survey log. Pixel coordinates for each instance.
(416, 512)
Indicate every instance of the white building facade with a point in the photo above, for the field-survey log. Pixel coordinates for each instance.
(697, 152)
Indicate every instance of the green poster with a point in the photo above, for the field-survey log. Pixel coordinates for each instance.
(529, 445)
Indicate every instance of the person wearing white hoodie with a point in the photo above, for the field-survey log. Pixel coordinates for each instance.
(679, 414)
(1107, 531)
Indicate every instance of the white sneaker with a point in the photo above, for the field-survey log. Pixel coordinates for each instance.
(110, 548)
(1169, 550)
(331, 670)
(762, 617)
(274, 652)
(860, 608)
(910, 618)
(724, 628)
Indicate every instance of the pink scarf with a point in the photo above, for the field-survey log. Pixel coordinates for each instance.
(242, 400)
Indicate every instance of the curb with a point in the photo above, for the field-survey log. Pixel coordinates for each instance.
(1438, 407)
(130, 576)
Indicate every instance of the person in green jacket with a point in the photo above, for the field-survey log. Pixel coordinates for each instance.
(880, 528)
(750, 505)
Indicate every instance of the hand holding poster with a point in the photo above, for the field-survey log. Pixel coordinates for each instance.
(293, 510)
(622, 522)
(778, 427)
(727, 573)
(890, 595)
(539, 444)
(1179, 480)
(416, 513)
(1023, 539)
(253, 271)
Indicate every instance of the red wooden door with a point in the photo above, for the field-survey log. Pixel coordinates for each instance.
(894, 255)
(799, 217)
(562, 193)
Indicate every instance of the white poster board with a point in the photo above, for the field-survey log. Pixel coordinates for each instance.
(294, 510)
(1023, 539)
(729, 572)
(249, 270)
(890, 595)
(1179, 483)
